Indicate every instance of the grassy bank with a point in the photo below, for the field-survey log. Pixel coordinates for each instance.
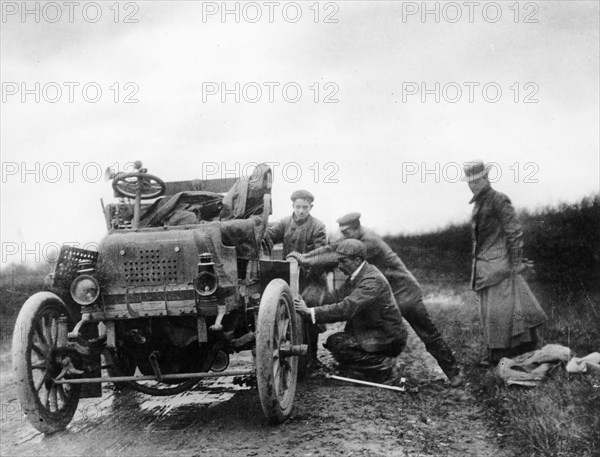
(561, 417)
(17, 283)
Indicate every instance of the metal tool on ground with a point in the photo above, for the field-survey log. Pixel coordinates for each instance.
(368, 383)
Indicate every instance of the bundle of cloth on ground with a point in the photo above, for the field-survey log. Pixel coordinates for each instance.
(531, 368)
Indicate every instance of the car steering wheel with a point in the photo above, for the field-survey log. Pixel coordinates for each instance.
(128, 184)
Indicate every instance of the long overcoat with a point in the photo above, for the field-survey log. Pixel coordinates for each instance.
(496, 234)
(507, 307)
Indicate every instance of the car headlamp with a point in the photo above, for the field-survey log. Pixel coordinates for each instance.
(206, 281)
(85, 289)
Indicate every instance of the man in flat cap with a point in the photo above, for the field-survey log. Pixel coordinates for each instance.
(302, 233)
(374, 334)
(406, 289)
(299, 232)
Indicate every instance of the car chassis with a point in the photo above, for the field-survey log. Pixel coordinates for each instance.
(161, 305)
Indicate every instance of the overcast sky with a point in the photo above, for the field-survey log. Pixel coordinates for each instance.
(371, 147)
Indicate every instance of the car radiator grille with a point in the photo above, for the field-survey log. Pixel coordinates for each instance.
(152, 267)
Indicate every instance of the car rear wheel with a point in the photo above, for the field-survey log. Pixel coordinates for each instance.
(126, 366)
(276, 369)
(37, 361)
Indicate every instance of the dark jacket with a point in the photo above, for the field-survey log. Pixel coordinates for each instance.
(301, 236)
(379, 253)
(496, 234)
(368, 306)
(405, 287)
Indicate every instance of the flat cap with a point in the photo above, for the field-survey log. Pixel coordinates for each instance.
(352, 248)
(304, 195)
(349, 219)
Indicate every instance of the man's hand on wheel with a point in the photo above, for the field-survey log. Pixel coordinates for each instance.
(297, 256)
(301, 307)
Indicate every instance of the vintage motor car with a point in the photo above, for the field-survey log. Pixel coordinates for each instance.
(176, 286)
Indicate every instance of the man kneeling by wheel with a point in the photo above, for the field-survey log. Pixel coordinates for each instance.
(374, 333)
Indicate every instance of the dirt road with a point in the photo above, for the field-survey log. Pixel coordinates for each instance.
(330, 418)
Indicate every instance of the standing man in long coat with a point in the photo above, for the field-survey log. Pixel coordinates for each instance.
(508, 309)
(406, 289)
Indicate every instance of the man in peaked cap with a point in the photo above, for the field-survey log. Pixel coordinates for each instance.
(299, 232)
(350, 219)
(302, 233)
(374, 334)
(407, 291)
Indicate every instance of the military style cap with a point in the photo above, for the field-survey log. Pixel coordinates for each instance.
(352, 248)
(304, 195)
(348, 220)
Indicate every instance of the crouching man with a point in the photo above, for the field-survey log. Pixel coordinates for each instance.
(374, 334)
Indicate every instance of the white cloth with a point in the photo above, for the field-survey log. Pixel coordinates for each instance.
(590, 362)
(312, 315)
(529, 369)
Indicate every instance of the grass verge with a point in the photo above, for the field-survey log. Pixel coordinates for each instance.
(561, 417)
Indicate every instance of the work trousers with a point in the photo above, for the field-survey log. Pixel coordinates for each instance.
(357, 363)
(417, 316)
(313, 285)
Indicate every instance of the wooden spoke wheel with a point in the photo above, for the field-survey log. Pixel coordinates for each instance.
(37, 361)
(161, 389)
(276, 368)
(123, 364)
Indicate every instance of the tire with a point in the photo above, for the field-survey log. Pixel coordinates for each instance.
(126, 366)
(129, 358)
(276, 375)
(159, 389)
(119, 365)
(48, 406)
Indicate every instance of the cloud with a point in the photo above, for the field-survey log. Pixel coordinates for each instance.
(370, 134)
